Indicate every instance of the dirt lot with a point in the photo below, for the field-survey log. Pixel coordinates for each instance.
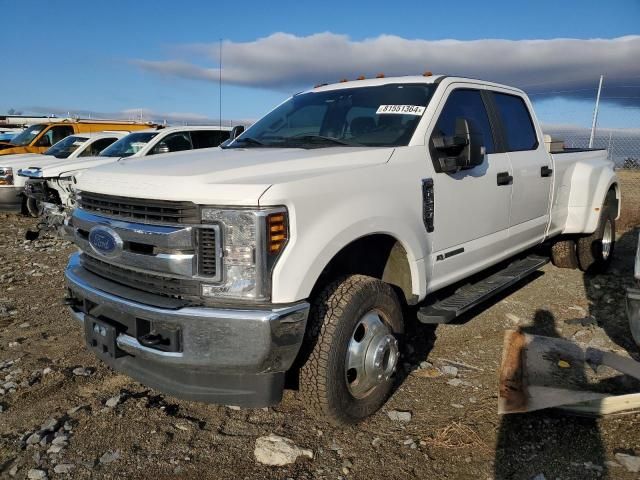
(48, 382)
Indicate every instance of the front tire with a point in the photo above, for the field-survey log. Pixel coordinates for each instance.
(353, 350)
(34, 207)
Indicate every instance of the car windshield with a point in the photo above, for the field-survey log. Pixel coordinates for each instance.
(380, 116)
(25, 137)
(129, 145)
(66, 146)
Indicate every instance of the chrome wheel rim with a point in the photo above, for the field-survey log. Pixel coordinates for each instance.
(372, 355)
(607, 240)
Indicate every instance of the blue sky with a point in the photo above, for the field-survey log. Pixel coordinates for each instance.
(116, 56)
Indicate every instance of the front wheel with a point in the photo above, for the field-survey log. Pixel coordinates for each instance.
(352, 340)
(34, 207)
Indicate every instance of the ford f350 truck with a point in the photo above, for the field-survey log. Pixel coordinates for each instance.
(307, 243)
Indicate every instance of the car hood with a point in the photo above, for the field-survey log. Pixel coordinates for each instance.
(52, 167)
(223, 176)
(21, 160)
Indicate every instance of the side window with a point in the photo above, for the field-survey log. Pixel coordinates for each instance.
(467, 104)
(96, 147)
(516, 121)
(174, 142)
(54, 135)
(208, 138)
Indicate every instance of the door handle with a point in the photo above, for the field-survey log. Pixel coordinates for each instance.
(504, 178)
(546, 171)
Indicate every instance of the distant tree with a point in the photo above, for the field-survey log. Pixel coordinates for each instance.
(13, 111)
(631, 163)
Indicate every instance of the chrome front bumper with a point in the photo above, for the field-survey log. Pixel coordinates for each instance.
(633, 312)
(234, 350)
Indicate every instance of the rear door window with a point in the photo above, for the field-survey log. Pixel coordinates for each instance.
(96, 147)
(516, 122)
(467, 104)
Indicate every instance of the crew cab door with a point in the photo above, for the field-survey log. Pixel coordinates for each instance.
(532, 170)
(471, 206)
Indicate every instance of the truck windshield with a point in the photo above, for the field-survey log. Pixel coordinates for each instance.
(129, 145)
(66, 146)
(379, 116)
(26, 136)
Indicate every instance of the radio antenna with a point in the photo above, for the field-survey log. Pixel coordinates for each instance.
(220, 85)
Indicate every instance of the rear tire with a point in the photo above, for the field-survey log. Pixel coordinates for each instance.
(342, 380)
(596, 250)
(563, 254)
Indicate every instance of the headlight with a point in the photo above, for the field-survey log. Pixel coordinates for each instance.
(6, 176)
(251, 242)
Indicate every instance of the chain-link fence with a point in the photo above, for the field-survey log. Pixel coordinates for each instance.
(618, 126)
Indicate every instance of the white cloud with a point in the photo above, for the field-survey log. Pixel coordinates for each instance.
(283, 61)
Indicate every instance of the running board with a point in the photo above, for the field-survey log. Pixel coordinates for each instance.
(468, 296)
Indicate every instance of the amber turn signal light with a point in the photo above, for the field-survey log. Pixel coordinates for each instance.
(277, 232)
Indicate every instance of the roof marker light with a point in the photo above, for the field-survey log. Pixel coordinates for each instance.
(344, 80)
(427, 74)
(361, 77)
(380, 75)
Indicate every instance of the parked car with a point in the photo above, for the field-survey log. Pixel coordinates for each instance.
(297, 248)
(633, 299)
(71, 149)
(6, 134)
(52, 185)
(41, 136)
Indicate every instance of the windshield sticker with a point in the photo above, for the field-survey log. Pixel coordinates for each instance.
(401, 109)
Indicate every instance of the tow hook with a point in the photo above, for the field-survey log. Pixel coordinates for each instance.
(70, 301)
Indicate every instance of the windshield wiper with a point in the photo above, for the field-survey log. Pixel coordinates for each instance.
(321, 138)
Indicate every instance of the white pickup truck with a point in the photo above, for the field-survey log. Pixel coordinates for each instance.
(72, 149)
(307, 243)
(51, 185)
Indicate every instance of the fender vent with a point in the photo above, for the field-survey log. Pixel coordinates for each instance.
(428, 204)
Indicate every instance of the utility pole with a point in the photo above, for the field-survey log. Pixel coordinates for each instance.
(595, 113)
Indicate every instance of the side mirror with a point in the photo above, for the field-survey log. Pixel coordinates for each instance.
(461, 151)
(161, 148)
(236, 131)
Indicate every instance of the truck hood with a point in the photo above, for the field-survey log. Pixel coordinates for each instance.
(226, 177)
(52, 167)
(21, 160)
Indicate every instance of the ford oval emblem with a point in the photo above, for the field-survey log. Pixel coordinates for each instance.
(105, 241)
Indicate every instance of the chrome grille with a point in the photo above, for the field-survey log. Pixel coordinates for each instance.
(207, 254)
(160, 285)
(155, 211)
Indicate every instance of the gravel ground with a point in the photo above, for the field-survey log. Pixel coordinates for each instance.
(64, 415)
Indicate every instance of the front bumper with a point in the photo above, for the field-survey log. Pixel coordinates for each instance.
(11, 198)
(220, 355)
(633, 312)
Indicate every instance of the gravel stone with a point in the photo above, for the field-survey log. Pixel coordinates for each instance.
(63, 468)
(630, 462)
(109, 457)
(278, 451)
(449, 370)
(36, 474)
(399, 416)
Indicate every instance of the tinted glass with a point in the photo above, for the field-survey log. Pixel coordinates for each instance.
(467, 104)
(380, 116)
(516, 121)
(127, 146)
(66, 147)
(26, 136)
(177, 141)
(96, 147)
(208, 138)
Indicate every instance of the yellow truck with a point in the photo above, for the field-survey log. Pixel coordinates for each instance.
(39, 137)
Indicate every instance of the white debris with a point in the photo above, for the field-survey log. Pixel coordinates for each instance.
(277, 451)
(399, 416)
(630, 462)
